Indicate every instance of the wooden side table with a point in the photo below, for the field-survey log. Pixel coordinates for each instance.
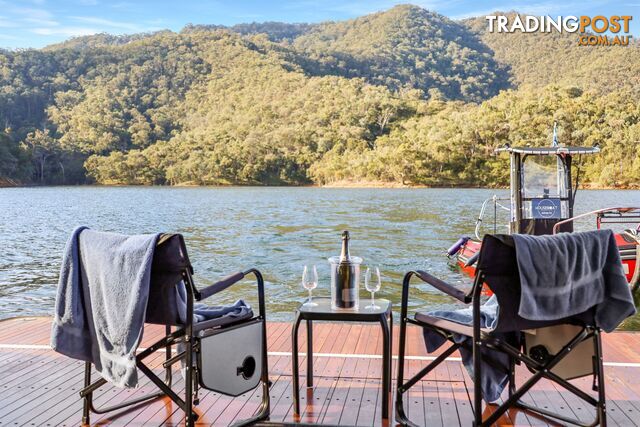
(323, 312)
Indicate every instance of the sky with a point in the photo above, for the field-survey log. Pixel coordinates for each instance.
(37, 23)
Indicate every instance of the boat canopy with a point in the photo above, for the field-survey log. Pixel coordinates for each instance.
(547, 151)
(541, 187)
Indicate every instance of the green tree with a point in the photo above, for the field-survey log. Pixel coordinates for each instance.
(44, 151)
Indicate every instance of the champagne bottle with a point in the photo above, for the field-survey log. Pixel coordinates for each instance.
(344, 254)
(346, 277)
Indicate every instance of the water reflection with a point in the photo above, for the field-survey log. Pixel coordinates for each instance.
(277, 230)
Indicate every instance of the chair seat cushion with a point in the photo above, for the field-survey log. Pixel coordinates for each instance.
(225, 320)
(447, 325)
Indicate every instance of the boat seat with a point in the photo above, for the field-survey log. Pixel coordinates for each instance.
(632, 254)
(631, 236)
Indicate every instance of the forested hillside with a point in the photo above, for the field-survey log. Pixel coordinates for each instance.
(406, 47)
(405, 96)
(539, 59)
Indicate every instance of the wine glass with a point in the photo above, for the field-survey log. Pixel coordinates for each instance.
(310, 282)
(372, 284)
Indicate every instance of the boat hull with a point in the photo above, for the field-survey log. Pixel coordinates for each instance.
(627, 245)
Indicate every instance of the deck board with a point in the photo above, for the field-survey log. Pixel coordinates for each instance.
(39, 387)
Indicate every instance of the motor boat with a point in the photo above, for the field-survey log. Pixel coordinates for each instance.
(541, 201)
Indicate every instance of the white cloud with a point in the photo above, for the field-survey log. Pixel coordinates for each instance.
(41, 22)
(358, 8)
(32, 13)
(249, 16)
(547, 7)
(6, 23)
(363, 8)
(473, 14)
(111, 26)
(122, 5)
(64, 31)
(107, 23)
(156, 21)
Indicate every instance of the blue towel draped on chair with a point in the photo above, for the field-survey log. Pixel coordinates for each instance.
(560, 276)
(103, 299)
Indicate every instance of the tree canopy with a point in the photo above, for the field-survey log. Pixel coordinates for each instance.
(405, 96)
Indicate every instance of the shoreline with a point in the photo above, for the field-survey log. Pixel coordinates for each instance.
(8, 183)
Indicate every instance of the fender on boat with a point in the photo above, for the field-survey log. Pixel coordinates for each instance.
(472, 260)
(455, 248)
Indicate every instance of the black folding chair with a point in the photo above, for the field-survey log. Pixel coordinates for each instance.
(221, 355)
(559, 350)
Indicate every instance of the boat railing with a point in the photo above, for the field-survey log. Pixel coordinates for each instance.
(496, 204)
(617, 215)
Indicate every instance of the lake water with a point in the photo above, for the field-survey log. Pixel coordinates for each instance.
(277, 230)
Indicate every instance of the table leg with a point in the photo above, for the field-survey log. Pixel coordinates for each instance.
(309, 354)
(386, 365)
(294, 366)
(390, 348)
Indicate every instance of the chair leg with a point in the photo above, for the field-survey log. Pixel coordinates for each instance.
(86, 406)
(401, 416)
(196, 387)
(263, 412)
(190, 417)
(512, 376)
(599, 365)
(168, 374)
(165, 386)
(477, 381)
(545, 372)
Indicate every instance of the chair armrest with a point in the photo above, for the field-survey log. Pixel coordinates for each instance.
(219, 286)
(444, 287)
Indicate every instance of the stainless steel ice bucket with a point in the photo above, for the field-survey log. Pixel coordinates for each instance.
(345, 283)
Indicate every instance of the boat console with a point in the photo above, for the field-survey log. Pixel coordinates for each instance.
(541, 189)
(541, 200)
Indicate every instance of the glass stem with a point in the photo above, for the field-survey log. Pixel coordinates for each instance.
(372, 302)
(310, 296)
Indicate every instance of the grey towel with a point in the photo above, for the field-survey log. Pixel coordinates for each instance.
(570, 273)
(224, 314)
(494, 376)
(561, 276)
(102, 299)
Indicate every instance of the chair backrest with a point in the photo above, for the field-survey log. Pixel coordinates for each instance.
(170, 260)
(499, 266)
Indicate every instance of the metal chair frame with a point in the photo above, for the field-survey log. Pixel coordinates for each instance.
(481, 339)
(185, 335)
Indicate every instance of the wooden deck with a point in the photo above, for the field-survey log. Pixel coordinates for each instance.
(40, 388)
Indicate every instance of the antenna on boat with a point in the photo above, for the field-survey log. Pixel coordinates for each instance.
(555, 135)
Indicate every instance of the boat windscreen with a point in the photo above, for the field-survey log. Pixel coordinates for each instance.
(543, 177)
